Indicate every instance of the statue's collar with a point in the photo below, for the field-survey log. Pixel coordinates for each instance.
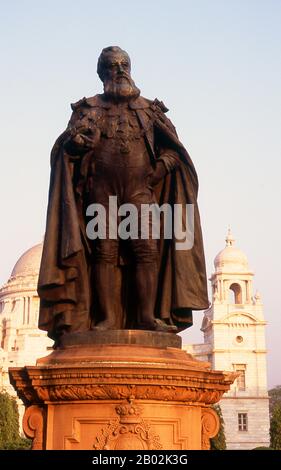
(139, 103)
(100, 102)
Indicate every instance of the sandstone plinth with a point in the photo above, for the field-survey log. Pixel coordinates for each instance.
(124, 389)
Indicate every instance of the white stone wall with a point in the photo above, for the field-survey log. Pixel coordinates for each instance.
(201, 352)
(227, 353)
(257, 434)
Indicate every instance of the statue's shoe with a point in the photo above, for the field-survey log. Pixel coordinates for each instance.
(158, 325)
(105, 325)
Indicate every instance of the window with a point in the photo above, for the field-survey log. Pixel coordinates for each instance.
(241, 379)
(242, 422)
(235, 294)
(239, 339)
(241, 383)
(4, 333)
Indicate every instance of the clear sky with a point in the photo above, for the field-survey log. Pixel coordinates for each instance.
(215, 64)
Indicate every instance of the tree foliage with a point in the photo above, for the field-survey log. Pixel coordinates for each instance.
(263, 448)
(275, 427)
(274, 397)
(218, 442)
(9, 424)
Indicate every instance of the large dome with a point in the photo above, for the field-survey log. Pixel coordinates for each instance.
(29, 262)
(231, 258)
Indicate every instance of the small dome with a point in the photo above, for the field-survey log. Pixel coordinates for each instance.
(231, 258)
(29, 262)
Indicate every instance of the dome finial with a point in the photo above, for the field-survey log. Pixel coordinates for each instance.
(231, 259)
(229, 238)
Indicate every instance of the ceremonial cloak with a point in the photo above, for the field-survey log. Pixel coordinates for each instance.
(67, 298)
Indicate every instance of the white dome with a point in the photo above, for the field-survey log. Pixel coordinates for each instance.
(231, 258)
(29, 262)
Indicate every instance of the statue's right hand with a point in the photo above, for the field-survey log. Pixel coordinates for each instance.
(77, 141)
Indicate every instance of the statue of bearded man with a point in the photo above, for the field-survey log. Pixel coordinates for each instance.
(118, 144)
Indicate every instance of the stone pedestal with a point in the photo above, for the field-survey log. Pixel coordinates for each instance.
(122, 389)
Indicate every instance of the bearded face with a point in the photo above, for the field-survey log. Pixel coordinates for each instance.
(117, 81)
(122, 88)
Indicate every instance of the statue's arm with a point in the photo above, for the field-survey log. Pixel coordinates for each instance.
(168, 158)
(75, 143)
(78, 133)
(165, 164)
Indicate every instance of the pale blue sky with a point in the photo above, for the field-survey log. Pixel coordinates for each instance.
(216, 65)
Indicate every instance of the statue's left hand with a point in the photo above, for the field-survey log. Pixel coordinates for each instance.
(158, 174)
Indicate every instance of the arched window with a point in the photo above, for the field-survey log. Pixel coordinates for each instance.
(4, 333)
(235, 294)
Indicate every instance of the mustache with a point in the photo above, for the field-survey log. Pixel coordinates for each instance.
(118, 88)
(121, 76)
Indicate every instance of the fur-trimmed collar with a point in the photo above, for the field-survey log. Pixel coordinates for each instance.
(99, 101)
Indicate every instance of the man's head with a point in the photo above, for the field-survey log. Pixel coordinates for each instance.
(114, 70)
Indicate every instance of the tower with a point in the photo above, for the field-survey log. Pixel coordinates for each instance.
(234, 339)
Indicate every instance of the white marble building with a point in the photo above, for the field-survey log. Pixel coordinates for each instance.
(21, 342)
(234, 339)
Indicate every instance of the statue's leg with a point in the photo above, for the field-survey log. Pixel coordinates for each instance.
(146, 259)
(146, 287)
(145, 254)
(104, 183)
(146, 279)
(104, 279)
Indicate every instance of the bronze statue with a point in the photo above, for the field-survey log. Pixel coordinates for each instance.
(118, 144)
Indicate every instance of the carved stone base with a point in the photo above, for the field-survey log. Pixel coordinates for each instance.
(120, 395)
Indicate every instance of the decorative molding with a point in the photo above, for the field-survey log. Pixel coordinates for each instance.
(33, 423)
(117, 392)
(210, 426)
(41, 384)
(252, 319)
(129, 431)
